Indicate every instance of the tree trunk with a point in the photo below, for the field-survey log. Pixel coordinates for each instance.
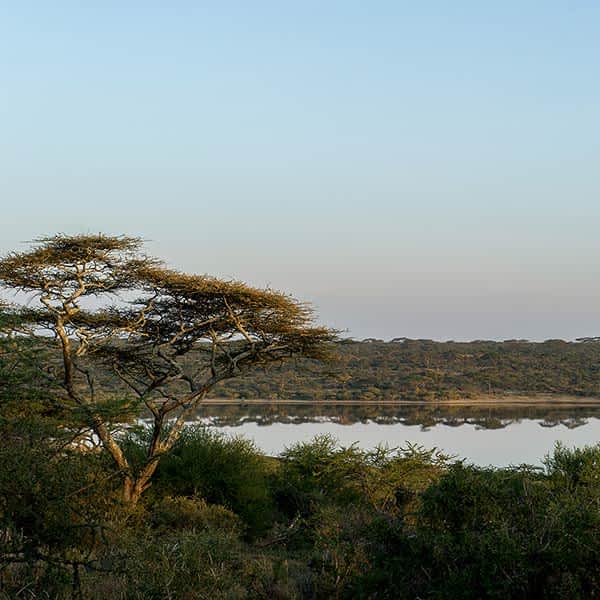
(133, 488)
(128, 491)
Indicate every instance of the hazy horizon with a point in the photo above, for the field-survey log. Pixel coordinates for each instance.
(418, 171)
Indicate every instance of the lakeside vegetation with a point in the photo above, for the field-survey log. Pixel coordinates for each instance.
(426, 370)
(223, 521)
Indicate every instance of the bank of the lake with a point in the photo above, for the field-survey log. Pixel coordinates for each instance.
(497, 400)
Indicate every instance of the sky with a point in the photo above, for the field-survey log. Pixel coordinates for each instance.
(420, 169)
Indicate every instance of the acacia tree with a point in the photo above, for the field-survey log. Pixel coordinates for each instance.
(133, 335)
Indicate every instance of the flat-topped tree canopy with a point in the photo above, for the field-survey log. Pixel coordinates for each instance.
(180, 309)
(226, 328)
(168, 337)
(63, 270)
(62, 265)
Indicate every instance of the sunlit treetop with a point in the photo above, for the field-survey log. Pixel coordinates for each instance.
(83, 264)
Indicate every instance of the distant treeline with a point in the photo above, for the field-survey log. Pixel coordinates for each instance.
(427, 370)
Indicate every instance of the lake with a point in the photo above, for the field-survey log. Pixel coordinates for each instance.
(498, 435)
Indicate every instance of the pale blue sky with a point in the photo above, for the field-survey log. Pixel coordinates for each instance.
(428, 169)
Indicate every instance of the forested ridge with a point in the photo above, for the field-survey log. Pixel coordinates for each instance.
(430, 370)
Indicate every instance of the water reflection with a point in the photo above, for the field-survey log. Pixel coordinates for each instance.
(424, 415)
(496, 435)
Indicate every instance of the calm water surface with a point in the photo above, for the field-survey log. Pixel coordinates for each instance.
(497, 436)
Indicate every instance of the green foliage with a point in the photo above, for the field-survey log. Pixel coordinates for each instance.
(343, 495)
(575, 468)
(384, 524)
(194, 565)
(172, 513)
(497, 533)
(54, 491)
(223, 470)
(24, 388)
(54, 499)
(320, 472)
(311, 472)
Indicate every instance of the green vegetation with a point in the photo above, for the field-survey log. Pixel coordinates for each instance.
(428, 370)
(321, 521)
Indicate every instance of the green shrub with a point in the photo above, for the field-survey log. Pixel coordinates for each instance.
(206, 564)
(495, 533)
(223, 470)
(574, 467)
(53, 505)
(320, 472)
(317, 472)
(180, 513)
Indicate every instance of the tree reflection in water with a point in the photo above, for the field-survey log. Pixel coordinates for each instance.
(424, 415)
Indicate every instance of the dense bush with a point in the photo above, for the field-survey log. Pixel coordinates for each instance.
(498, 533)
(172, 513)
(320, 472)
(223, 470)
(55, 501)
(207, 564)
(324, 522)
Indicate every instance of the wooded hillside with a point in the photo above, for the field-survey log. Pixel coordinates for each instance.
(428, 370)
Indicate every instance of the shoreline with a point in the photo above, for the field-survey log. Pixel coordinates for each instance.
(484, 400)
